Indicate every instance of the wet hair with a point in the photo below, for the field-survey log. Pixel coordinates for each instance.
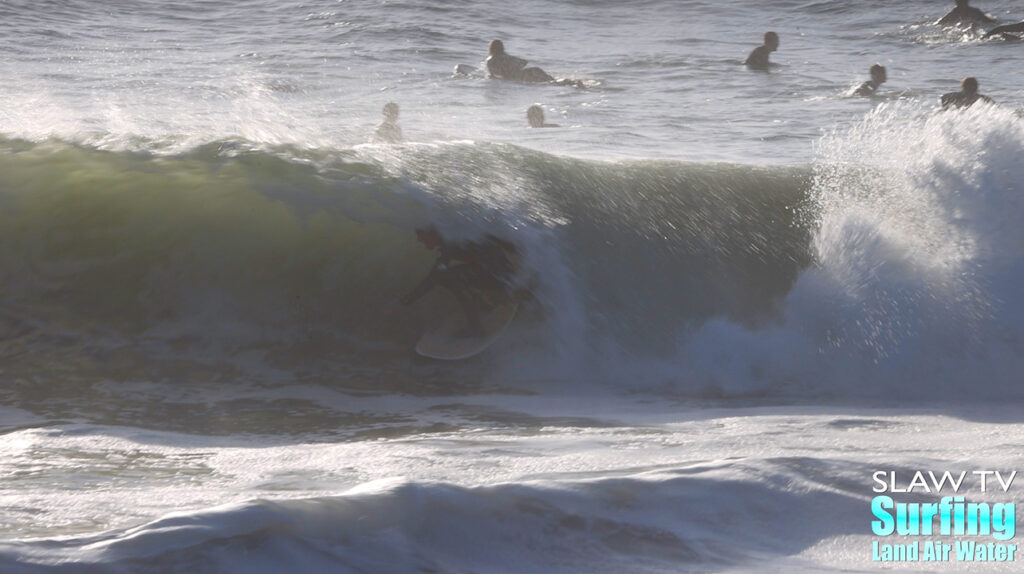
(496, 48)
(969, 84)
(879, 70)
(771, 37)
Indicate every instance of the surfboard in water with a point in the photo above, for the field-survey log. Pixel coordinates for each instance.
(446, 344)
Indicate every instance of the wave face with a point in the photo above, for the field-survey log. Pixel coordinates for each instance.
(893, 258)
(120, 261)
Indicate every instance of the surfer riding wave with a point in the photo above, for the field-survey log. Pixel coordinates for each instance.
(470, 271)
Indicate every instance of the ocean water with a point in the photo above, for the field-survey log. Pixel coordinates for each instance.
(752, 291)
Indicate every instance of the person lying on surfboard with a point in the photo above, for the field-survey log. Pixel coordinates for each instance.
(504, 66)
(467, 269)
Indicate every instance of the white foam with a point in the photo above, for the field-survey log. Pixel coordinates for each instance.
(917, 252)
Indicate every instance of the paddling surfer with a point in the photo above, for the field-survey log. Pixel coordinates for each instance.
(505, 66)
(966, 97)
(870, 87)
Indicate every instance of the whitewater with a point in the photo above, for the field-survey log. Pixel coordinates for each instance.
(751, 291)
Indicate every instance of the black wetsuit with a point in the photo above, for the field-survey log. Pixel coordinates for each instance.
(469, 270)
(962, 100)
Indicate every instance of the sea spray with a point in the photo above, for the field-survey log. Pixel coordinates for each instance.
(916, 245)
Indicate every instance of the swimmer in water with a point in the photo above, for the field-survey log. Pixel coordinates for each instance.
(758, 59)
(389, 131)
(870, 87)
(964, 14)
(966, 97)
(535, 117)
(505, 66)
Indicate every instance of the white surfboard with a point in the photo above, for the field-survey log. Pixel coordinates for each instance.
(444, 342)
(468, 71)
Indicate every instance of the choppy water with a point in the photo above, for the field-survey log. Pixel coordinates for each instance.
(746, 283)
(672, 84)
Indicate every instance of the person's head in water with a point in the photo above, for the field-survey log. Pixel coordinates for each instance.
(878, 74)
(535, 116)
(429, 237)
(771, 41)
(388, 131)
(969, 86)
(496, 48)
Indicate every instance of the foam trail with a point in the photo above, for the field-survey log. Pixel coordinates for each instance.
(653, 523)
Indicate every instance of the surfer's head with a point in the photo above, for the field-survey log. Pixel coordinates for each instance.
(878, 74)
(391, 112)
(496, 48)
(771, 40)
(535, 115)
(969, 85)
(429, 237)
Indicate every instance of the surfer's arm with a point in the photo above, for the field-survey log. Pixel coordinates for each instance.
(865, 89)
(444, 260)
